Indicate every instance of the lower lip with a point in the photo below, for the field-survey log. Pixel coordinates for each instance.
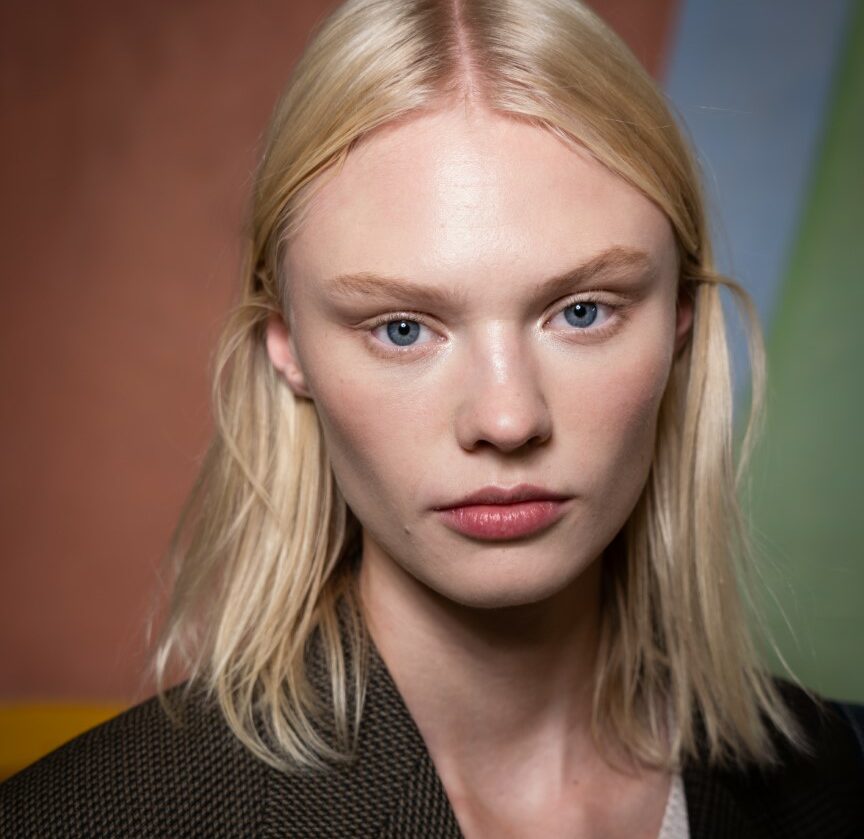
(498, 522)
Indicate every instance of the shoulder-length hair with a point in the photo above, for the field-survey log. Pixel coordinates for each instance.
(261, 557)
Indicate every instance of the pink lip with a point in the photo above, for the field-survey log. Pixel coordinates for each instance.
(499, 522)
(498, 513)
(501, 495)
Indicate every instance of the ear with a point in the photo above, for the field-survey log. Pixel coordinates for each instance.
(683, 317)
(283, 355)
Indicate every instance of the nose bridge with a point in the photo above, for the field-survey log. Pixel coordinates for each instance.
(501, 400)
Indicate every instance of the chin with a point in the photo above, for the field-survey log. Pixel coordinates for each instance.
(500, 588)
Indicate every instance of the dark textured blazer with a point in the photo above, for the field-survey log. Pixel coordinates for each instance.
(140, 775)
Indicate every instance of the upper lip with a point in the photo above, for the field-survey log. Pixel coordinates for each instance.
(504, 495)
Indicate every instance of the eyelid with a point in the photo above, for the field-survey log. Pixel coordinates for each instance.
(614, 301)
(391, 316)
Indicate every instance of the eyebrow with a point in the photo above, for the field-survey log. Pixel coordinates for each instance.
(617, 260)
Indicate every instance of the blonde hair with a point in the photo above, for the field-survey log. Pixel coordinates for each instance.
(262, 556)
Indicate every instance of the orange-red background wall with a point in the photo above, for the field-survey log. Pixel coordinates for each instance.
(129, 134)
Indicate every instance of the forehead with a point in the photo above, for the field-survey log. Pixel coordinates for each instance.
(461, 192)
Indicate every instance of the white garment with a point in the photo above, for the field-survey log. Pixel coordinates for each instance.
(675, 824)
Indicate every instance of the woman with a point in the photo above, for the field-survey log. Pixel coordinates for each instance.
(464, 557)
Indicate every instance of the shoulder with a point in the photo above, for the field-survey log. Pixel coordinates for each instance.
(142, 773)
(815, 791)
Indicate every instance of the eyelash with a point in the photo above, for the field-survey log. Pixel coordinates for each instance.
(611, 323)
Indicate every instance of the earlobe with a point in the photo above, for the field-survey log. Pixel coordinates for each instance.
(684, 311)
(283, 355)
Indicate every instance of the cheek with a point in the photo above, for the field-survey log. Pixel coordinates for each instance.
(612, 416)
(371, 428)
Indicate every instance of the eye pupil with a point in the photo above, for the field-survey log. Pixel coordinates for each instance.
(581, 314)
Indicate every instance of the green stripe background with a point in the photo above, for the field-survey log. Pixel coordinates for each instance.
(806, 495)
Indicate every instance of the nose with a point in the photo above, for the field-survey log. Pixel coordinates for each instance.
(501, 400)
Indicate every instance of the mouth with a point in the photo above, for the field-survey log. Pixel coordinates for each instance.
(498, 514)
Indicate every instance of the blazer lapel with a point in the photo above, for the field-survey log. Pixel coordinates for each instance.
(389, 791)
(419, 805)
(423, 808)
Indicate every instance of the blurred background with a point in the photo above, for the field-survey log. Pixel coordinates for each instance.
(129, 135)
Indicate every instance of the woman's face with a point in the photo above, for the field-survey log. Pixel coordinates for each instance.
(473, 304)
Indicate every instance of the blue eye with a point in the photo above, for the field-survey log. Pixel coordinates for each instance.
(403, 333)
(581, 313)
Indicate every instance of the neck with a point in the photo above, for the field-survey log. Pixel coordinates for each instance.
(487, 686)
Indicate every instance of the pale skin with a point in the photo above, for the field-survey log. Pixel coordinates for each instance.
(491, 644)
